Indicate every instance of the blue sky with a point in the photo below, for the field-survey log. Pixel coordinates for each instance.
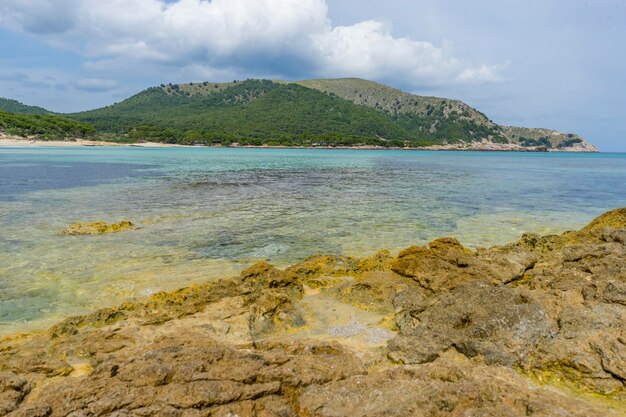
(559, 64)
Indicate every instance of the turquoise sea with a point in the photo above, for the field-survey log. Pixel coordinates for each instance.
(206, 213)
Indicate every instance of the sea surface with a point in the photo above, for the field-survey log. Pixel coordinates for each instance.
(206, 213)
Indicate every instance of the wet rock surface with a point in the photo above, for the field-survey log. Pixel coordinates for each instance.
(97, 228)
(534, 328)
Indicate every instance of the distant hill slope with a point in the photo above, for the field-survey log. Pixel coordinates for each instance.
(411, 106)
(346, 111)
(399, 103)
(15, 106)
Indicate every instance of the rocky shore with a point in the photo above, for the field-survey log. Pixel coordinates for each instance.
(533, 328)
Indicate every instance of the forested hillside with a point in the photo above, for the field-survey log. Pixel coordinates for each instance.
(45, 127)
(14, 106)
(262, 111)
(325, 112)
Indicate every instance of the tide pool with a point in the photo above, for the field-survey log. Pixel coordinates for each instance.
(206, 213)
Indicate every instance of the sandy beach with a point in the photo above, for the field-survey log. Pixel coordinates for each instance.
(15, 141)
(8, 141)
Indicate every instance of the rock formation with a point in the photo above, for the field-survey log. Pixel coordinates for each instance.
(97, 228)
(533, 328)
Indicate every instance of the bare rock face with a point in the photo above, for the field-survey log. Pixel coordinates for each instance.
(534, 328)
(185, 374)
(442, 388)
(614, 219)
(446, 264)
(558, 315)
(583, 288)
(548, 336)
(500, 324)
(13, 389)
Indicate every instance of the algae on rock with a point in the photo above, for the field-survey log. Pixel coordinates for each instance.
(97, 228)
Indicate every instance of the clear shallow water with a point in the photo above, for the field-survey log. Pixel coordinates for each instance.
(206, 213)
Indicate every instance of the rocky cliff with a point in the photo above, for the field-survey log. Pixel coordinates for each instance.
(551, 139)
(533, 328)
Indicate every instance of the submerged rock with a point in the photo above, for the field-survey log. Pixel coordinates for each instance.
(534, 328)
(97, 228)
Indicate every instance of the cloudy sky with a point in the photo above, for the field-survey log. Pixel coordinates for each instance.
(559, 64)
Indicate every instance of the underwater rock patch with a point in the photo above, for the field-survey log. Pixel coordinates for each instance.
(97, 228)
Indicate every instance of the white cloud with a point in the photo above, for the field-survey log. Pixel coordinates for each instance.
(484, 73)
(370, 50)
(285, 37)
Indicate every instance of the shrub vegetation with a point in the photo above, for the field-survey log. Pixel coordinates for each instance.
(47, 127)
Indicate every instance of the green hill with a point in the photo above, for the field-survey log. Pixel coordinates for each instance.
(44, 126)
(346, 111)
(249, 112)
(14, 106)
(444, 118)
(342, 112)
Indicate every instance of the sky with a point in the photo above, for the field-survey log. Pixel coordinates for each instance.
(558, 64)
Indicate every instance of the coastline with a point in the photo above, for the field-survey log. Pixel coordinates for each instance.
(534, 327)
(13, 141)
(18, 143)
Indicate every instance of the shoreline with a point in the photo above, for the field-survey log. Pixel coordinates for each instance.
(26, 143)
(14, 142)
(335, 336)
